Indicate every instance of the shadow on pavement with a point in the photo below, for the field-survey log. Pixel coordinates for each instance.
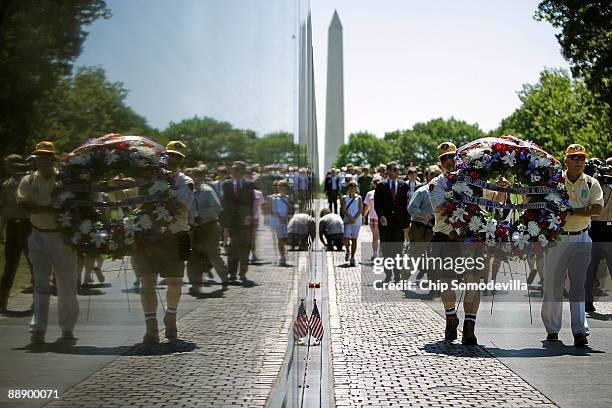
(549, 349)
(17, 313)
(178, 346)
(455, 349)
(599, 316)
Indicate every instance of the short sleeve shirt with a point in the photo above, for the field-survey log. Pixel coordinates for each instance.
(369, 201)
(580, 195)
(37, 190)
(184, 194)
(437, 192)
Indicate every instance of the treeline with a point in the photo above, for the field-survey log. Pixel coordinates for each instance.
(41, 97)
(554, 112)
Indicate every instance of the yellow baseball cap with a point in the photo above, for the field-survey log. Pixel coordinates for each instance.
(177, 147)
(446, 148)
(45, 147)
(574, 150)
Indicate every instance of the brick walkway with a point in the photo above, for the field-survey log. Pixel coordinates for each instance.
(230, 353)
(389, 351)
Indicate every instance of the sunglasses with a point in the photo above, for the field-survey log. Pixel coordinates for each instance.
(394, 169)
(576, 157)
(446, 157)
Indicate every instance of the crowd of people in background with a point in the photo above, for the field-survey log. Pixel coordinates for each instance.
(219, 213)
(224, 207)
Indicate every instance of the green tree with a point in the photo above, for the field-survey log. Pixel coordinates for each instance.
(558, 111)
(363, 148)
(585, 39)
(39, 41)
(84, 106)
(417, 146)
(278, 147)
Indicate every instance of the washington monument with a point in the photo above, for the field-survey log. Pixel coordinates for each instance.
(334, 107)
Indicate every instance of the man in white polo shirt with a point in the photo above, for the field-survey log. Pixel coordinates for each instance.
(573, 253)
(47, 249)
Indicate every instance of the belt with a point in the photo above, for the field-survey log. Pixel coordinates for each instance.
(46, 229)
(573, 232)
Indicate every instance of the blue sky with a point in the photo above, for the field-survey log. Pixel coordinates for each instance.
(405, 61)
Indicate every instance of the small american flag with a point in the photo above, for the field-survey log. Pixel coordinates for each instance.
(300, 325)
(316, 326)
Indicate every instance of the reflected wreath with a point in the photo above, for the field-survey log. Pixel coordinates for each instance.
(532, 173)
(132, 168)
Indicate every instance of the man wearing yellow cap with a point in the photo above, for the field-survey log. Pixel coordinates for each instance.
(47, 249)
(167, 256)
(571, 256)
(446, 247)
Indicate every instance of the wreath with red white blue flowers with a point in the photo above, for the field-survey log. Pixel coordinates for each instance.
(532, 173)
(110, 164)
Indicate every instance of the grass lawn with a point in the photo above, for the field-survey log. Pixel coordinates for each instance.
(22, 278)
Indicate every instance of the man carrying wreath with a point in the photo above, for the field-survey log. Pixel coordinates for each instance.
(447, 247)
(167, 256)
(572, 254)
(47, 249)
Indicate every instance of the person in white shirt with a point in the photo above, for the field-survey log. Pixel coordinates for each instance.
(352, 208)
(279, 217)
(370, 212)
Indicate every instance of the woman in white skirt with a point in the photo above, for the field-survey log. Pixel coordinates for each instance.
(352, 208)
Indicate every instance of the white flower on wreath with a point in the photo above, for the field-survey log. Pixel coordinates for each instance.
(448, 195)
(144, 221)
(521, 240)
(65, 195)
(478, 164)
(535, 177)
(542, 240)
(457, 215)
(543, 162)
(85, 226)
(475, 224)
(553, 222)
(80, 159)
(64, 219)
(158, 186)
(490, 227)
(76, 237)
(130, 226)
(98, 238)
(533, 228)
(490, 241)
(475, 154)
(462, 188)
(510, 158)
(162, 213)
(554, 198)
(111, 157)
(521, 227)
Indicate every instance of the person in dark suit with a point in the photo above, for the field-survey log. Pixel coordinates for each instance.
(391, 205)
(332, 189)
(237, 215)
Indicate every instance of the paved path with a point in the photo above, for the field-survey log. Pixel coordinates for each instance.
(388, 350)
(231, 350)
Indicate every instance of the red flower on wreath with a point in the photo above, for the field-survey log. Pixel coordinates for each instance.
(475, 175)
(501, 232)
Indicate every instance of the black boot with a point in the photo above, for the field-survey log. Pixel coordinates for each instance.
(450, 333)
(469, 338)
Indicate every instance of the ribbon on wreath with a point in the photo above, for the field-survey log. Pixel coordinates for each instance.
(495, 204)
(513, 190)
(125, 203)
